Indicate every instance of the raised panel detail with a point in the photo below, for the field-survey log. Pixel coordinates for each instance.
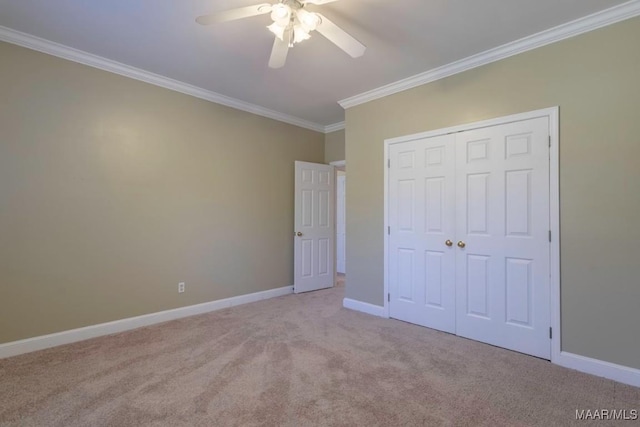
(518, 203)
(477, 203)
(518, 145)
(519, 291)
(323, 208)
(406, 200)
(433, 278)
(478, 285)
(405, 274)
(307, 176)
(323, 177)
(434, 204)
(406, 160)
(307, 258)
(478, 150)
(434, 156)
(307, 208)
(323, 256)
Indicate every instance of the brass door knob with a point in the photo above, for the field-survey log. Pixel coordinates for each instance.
(461, 244)
(448, 243)
(299, 234)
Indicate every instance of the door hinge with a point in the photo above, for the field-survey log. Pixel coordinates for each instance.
(388, 230)
(388, 297)
(389, 163)
(549, 235)
(549, 140)
(550, 333)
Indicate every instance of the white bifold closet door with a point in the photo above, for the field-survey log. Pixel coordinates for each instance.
(422, 218)
(484, 192)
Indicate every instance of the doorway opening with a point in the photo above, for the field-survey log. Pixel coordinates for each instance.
(340, 168)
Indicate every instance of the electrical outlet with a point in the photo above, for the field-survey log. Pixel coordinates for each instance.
(180, 287)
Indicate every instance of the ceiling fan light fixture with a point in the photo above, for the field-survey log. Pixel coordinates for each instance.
(308, 20)
(299, 34)
(277, 29)
(280, 12)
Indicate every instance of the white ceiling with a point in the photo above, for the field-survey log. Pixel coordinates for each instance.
(403, 38)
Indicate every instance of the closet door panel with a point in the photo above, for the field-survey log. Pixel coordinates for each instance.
(502, 223)
(421, 218)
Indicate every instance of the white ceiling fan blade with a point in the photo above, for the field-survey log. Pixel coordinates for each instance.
(233, 14)
(279, 53)
(340, 37)
(320, 1)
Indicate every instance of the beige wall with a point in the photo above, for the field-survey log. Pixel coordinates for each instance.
(594, 78)
(112, 191)
(334, 146)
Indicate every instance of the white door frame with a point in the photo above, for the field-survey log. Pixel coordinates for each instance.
(340, 222)
(554, 204)
(338, 165)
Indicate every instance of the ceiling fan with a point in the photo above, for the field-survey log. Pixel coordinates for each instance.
(292, 24)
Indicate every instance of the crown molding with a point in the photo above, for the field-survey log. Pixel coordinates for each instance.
(334, 127)
(570, 29)
(61, 51)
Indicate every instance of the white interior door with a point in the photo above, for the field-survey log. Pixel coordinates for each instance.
(422, 228)
(341, 193)
(502, 208)
(314, 227)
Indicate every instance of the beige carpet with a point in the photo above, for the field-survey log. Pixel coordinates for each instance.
(294, 361)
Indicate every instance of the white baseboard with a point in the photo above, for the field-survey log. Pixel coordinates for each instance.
(600, 368)
(612, 371)
(374, 310)
(67, 337)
